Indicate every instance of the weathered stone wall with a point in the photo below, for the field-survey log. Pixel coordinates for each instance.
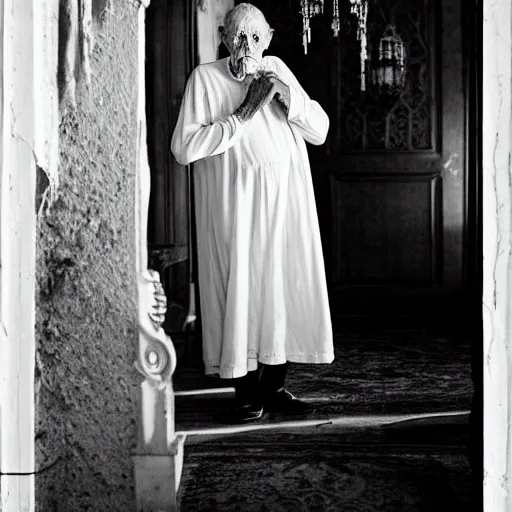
(86, 298)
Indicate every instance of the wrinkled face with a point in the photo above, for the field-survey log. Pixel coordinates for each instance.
(247, 35)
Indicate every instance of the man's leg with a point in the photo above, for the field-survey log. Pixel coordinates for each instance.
(246, 388)
(274, 396)
(247, 406)
(272, 378)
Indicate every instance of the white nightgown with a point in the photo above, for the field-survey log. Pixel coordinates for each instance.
(262, 285)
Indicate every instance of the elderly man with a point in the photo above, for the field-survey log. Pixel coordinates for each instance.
(244, 121)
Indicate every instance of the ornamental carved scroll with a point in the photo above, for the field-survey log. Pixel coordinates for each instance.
(157, 356)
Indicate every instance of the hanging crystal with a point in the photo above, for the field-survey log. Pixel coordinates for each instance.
(360, 9)
(335, 18)
(309, 8)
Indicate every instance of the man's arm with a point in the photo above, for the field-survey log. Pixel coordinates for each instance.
(301, 111)
(195, 136)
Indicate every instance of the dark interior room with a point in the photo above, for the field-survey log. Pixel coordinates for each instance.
(397, 417)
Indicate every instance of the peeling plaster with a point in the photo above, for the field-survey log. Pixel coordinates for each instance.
(46, 106)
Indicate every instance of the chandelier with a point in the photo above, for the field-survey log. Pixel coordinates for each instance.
(310, 8)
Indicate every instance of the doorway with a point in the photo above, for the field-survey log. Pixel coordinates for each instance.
(397, 183)
(397, 187)
(171, 55)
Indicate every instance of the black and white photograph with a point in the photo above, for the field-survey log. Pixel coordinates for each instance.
(256, 256)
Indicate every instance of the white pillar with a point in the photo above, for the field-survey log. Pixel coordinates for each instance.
(497, 247)
(17, 253)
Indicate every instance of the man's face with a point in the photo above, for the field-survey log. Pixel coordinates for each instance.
(247, 35)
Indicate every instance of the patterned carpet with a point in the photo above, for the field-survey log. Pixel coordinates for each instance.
(412, 466)
(402, 468)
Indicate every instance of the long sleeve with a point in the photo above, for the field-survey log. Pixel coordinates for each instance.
(306, 114)
(196, 136)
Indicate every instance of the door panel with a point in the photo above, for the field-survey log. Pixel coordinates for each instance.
(170, 57)
(374, 252)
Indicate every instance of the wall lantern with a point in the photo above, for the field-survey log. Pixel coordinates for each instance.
(389, 70)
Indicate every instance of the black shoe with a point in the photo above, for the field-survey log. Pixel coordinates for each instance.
(242, 413)
(283, 401)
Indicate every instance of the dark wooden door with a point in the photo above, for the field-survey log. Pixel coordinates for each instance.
(390, 181)
(170, 57)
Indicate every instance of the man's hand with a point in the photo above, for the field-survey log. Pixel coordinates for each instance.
(256, 97)
(261, 92)
(280, 91)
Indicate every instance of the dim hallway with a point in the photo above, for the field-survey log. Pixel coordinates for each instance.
(397, 189)
(82, 429)
(390, 432)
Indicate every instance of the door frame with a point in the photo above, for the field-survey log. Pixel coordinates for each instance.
(497, 253)
(473, 228)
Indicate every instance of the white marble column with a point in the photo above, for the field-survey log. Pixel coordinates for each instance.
(17, 256)
(497, 246)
